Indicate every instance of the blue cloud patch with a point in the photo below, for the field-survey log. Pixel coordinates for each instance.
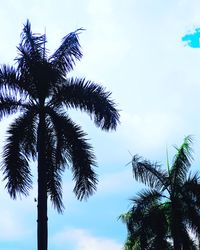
(192, 39)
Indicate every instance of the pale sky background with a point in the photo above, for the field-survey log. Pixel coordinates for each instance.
(134, 49)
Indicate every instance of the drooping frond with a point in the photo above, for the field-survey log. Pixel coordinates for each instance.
(141, 205)
(192, 217)
(29, 125)
(88, 97)
(54, 187)
(10, 82)
(192, 185)
(9, 106)
(54, 170)
(146, 198)
(80, 152)
(158, 226)
(182, 162)
(62, 154)
(64, 58)
(149, 173)
(190, 198)
(188, 242)
(15, 165)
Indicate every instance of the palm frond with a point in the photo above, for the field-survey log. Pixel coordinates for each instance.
(15, 165)
(187, 242)
(54, 170)
(148, 227)
(149, 173)
(10, 82)
(125, 217)
(182, 162)
(157, 221)
(81, 156)
(10, 105)
(28, 125)
(63, 156)
(152, 222)
(190, 199)
(142, 206)
(130, 245)
(146, 198)
(32, 62)
(64, 58)
(33, 44)
(91, 98)
(192, 219)
(191, 187)
(54, 187)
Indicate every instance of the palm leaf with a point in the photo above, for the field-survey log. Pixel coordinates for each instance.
(190, 197)
(10, 82)
(146, 198)
(10, 105)
(29, 125)
(89, 97)
(33, 44)
(187, 242)
(149, 173)
(80, 152)
(182, 163)
(15, 166)
(64, 58)
(54, 170)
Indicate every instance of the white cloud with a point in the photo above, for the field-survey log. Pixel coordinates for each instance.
(149, 130)
(11, 226)
(115, 182)
(100, 9)
(83, 240)
(17, 217)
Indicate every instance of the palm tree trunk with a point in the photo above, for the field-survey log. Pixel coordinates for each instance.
(177, 245)
(42, 227)
(176, 223)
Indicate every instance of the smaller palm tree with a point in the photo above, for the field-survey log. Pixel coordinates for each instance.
(167, 214)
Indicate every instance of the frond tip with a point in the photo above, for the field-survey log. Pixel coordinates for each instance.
(69, 51)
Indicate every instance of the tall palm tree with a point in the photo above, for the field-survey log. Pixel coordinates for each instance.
(167, 214)
(39, 91)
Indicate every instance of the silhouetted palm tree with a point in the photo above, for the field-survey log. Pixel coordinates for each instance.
(167, 215)
(147, 224)
(39, 91)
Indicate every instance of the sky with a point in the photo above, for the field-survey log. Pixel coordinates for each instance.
(146, 52)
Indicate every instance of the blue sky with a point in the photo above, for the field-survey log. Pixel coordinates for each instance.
(134, 48)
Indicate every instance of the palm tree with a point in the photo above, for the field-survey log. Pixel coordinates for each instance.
(167, 214)
(40, 93)
(147, 224)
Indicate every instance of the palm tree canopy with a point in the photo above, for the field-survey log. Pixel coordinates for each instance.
(38, 87)
(169, 210)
